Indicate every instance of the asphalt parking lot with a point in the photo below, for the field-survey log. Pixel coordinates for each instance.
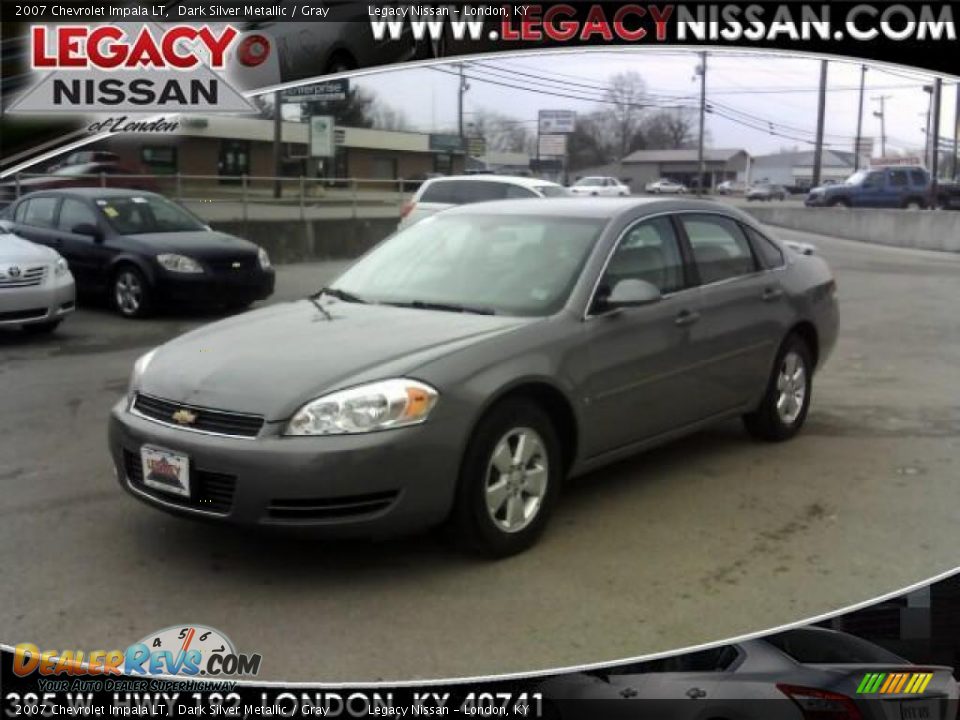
(710, 537)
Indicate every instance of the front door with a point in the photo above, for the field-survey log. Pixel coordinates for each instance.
(639, 357)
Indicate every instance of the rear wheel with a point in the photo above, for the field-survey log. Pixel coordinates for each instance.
(913, 204)
(783, 410)
(509, 481)
(131, 293)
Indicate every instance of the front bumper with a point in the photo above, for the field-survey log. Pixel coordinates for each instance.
(373, 484)
(815, 201)
(49, 302)
(215, 288)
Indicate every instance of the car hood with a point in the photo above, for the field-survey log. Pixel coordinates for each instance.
(271, 361)
(196, 243)
(14, 249)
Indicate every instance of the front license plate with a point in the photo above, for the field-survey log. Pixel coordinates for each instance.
(919, 710)
(165, 470)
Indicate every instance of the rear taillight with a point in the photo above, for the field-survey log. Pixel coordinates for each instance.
(253, 50)
(407, 209)
(821, 704)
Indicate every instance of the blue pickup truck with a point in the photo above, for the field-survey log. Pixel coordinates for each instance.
(900, 186)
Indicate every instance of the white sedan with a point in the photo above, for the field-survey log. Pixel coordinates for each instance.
(36, 288)
(665, 187)
(599, 186)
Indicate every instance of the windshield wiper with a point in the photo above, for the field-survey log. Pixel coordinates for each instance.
(446, 307)
(339, 295)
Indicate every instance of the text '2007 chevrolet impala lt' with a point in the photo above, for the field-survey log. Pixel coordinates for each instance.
(464, 367)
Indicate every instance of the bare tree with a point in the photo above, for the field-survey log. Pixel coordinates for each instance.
(387, 117)
(501, 132)
(669, 130)
(626, 96)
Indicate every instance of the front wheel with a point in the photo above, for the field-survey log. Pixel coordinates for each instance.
(509, 481)
(131, 293)
(786, 401)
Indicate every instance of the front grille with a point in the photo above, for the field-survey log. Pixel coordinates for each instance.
(238, 265)
(207, 420)
(31, 277)
(23, 315)
(209, 491)
(335, 508)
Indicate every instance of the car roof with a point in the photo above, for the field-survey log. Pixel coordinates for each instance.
(93, 192)
(594, 207)
(508, 179)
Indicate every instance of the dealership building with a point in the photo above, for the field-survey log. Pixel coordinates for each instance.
(796, 168)
(232, 146)
(682, 165)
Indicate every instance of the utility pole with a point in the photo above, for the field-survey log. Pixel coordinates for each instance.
(703, 120)
(882, 99)
(821, 117)
(928, 89)
(935, 141)
(856, 149)
(956, 132)
(277, 142)
(461, 90)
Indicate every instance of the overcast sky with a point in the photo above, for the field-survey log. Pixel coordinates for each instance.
(759, 88)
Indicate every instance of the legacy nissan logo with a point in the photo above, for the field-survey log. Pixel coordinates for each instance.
(184, 417)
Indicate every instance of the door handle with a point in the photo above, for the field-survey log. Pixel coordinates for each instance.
(696, 693)
(772, 293)
(686, 317)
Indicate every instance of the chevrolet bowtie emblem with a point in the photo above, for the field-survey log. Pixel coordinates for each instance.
(236, 265)
(184, 417)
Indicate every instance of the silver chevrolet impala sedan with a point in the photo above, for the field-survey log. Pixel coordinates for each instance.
(460, 370)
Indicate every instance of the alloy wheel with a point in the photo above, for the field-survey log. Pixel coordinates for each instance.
(791, 388)
(516, 479)
(128, 292)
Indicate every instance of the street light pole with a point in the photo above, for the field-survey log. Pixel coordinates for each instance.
(882, 99)
(935, 141)
(703, 119)
(821, 118)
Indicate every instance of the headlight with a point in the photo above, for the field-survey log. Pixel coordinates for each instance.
(263, 258)
(60, 268)
(378, 406)
(179, 263)
(139, 367)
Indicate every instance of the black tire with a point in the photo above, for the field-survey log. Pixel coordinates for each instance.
(767, 422)
(136, 303)
(914, 204)
(44, 328)
(471, 522)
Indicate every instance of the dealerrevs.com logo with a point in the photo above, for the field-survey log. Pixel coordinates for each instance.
(131, 68)
(181, 650)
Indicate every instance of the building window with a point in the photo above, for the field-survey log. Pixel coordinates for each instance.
(159, 159)
(234, 158)
(443, 163)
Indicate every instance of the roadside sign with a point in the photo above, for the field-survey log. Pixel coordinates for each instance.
(552, 146)
(322, 136)
(476, 146)
(557, 121)
(330, 91)
(446, 143)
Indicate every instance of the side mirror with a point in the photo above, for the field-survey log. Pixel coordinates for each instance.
(628, 293)
(88, 229)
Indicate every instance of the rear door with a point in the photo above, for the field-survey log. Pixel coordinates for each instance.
(743, 312)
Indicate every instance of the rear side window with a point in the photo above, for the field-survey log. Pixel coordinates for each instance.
(769, 253)
(720, 249)
(816, 646)
(899, 178)
(39, 212)
(552, 191)
(73, 213)
(918, 177)
(716, 659)
(517, 191)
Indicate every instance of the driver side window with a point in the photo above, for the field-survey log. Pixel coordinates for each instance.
(648, 251)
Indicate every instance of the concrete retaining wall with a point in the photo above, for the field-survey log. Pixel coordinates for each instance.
(924, 230)
(296, 240)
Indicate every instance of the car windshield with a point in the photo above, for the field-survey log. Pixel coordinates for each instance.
(856, 178)
(503, 264)
(132, 214)
(589, 182)
(551, 190)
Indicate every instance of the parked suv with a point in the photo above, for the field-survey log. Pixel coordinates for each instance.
(900, 186)
(441, 193)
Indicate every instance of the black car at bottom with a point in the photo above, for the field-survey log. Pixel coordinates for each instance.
(143, 249)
